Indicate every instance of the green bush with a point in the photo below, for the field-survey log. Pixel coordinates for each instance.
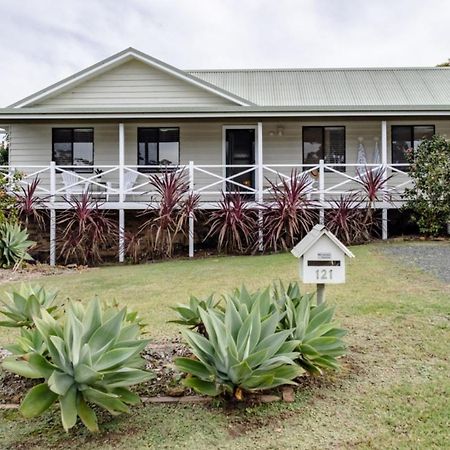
(91, 358)
(20, 307)
(429, 198)
(243, 352)
(14, 245)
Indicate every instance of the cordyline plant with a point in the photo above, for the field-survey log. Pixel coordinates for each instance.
(30, 205)
(347, 219)
(289, 215)
(234, 224)
(429, 197)
(169, 213)
(373, 183)
(86, 231)
(92, 358)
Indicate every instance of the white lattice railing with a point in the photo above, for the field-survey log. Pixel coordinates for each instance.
(119, 185)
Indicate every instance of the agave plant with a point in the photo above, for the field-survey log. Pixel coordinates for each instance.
(14, 245)
(93, 357)
(234, 224)
(317, 336)
(23, 305)
(289, 216)
(243, 352)
(189, 315)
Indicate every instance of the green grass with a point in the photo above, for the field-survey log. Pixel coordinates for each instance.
(392, 391)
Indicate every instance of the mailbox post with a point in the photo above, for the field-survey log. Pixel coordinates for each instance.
(321, 259)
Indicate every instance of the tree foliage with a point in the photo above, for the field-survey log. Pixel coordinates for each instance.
(429, 198)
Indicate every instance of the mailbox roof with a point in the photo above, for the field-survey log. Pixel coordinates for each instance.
(313, 236)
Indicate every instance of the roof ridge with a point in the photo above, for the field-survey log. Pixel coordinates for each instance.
(319, 69)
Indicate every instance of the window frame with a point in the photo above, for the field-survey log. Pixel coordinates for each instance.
(411, 135)
(323, 127)
(78, 169)
(157, 169)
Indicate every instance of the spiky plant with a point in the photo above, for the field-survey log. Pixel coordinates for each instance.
(93, 359)
(23, 305)
(289, 215)
(347, 219)
(169, 211)
(14, 245)
(86, 231)
(318, 337)
(30, 205)
(189, 315)
(234, 224)
(243, 352)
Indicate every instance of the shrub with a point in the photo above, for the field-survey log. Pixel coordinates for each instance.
(14, 245)
(86, 231)
(289, 217)
(7, 200)
(174, 205)
(92, 358)
(30, 205)
(243, 352)
(429, 198)
(348, 220)
(22, 306)
(234, 224)
(189, 315)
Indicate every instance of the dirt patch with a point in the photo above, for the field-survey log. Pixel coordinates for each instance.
(32, 271)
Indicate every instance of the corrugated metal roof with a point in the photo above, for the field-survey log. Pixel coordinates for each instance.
(335, 87)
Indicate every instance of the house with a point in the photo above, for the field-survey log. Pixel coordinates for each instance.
(104, 129)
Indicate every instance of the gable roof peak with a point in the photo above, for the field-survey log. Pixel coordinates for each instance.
(117, 59)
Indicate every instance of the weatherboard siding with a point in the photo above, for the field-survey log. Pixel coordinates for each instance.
(134, 84)
(201, 142)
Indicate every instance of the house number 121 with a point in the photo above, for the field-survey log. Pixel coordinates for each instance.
(324, 274)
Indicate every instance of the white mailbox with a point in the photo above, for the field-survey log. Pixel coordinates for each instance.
(322, 257)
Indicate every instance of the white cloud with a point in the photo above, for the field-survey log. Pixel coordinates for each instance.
(44, 41)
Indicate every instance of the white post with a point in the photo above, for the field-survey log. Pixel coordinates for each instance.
(52, 214)
(121, 192)
(320, 294)
(322, 191)
(384, 158)
(121, 163)
(121, 235)
(260, 184)
(191, 214)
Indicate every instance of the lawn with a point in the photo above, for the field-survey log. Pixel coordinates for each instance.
(392, 391)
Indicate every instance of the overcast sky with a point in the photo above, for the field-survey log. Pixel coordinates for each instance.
(42, 41)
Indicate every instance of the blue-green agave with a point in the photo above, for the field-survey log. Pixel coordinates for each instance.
(92, 358)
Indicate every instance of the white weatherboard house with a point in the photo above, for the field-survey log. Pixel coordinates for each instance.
(104, 129)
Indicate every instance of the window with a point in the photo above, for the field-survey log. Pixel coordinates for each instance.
(407, 138)
(158, 146)
(73, 147)
(327, 143)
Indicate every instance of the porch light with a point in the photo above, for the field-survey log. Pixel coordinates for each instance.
(280, 130)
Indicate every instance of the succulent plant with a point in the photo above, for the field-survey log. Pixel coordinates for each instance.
(92, 358)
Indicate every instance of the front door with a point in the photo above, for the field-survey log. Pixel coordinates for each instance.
(240, 150)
